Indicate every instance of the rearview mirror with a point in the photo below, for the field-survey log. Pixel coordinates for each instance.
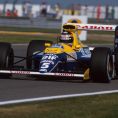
(47, 44)
(77, 46)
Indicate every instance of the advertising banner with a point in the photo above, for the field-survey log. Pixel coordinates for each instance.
(76, 19)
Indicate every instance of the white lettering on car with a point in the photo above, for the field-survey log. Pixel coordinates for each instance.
(49, 57)
(85, 52)
(64, 74)
(45, 65)
(21, 72)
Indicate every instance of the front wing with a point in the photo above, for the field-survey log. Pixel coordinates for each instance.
(84, 76)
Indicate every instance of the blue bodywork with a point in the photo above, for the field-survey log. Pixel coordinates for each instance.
(63, 62)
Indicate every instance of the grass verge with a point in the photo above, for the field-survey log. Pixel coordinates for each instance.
(20, 29)
(102, 106)
(26, 39)
(96, 41)
(93, 37)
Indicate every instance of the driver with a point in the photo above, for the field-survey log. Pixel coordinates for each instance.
(66, 37)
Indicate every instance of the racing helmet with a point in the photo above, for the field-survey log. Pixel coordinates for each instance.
(66, 37)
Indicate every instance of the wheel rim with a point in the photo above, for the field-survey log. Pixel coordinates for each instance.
(7, 62)
(109, 67)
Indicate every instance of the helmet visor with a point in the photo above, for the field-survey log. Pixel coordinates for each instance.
(66, 38)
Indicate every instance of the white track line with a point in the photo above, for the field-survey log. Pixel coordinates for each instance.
(55, 97)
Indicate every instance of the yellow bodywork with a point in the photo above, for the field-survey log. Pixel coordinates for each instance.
(76, 45)
(86, 74)
(66, 48)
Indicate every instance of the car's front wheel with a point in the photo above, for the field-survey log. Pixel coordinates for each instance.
(34, 46)
(6, 57)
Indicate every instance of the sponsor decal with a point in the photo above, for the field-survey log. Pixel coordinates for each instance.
(64, 74)
(85, 52)
(95, 27)
(48, 62)
(49, 57)
(21, 72)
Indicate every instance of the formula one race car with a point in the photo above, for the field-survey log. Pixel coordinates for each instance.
(68, 58)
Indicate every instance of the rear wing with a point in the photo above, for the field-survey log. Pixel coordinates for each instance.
(93, 27)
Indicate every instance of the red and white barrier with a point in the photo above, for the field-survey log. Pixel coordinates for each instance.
(94, 27)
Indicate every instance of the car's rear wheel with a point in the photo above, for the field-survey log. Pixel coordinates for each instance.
(101, 65)
(6, 58)
(34, 46)
(116, 62)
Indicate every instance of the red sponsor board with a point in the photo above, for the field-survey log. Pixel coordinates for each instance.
(95, 27)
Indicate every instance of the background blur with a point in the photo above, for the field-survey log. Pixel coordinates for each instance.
(48, 13)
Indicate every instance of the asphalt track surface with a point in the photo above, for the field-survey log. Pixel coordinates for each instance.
(24, 87)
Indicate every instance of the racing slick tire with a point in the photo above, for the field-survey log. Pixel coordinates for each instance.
(34, 45)
(101, 69)
(6, 58)
(116, 62)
